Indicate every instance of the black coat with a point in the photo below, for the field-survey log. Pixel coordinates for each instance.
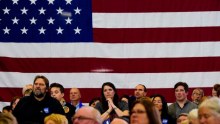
(31, 111)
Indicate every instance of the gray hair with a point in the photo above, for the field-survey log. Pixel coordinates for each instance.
(193, 114)
(212, 103)
(93, 113)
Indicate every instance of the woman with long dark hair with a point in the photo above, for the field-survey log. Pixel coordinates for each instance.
(110, 106)
(160, 103)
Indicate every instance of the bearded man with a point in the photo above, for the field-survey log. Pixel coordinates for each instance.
(34, 108)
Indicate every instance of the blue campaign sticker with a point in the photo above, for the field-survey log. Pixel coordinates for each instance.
(164, 121)
(46, 110)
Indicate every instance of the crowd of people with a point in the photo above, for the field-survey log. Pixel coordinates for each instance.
(44, 103)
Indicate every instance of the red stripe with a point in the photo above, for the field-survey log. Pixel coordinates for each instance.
(153, 35)
(6, 94)
(144, 65)
(155, 5)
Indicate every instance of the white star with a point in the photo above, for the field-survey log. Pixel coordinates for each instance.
(42, 10)
(24, 30)
(15, 1)
(24, 11)
(42, 30)
(59, 30)
(77, 10)
(68, 1)
(6, 10)
(33, 20)
(6, 30)
(33, 1)
(68, 20)
(59, 11)
(15, 20)
(50, 21)
(50, 1)
(77, 30)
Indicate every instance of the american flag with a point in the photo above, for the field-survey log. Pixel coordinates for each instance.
(84, 43)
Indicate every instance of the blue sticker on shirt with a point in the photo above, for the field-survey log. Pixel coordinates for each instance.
(46, 110)
(164, 121)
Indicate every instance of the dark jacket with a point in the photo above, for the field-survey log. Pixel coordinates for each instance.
(69, 111)
(31, 111)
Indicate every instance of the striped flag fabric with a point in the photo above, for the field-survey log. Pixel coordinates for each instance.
(84, 43)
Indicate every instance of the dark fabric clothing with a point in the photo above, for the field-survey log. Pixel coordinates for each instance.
(69, 111)
(31, 111)
(121, 105)
(167, 119)
(175, 110)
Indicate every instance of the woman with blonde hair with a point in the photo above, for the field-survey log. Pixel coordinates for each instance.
(7, 118)
(209, 111)
(55, 119)
(193, 116)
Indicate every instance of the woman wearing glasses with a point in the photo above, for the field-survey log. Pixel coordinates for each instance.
(144, 112)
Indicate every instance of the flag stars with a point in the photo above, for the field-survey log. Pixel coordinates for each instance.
(6, 10)
(6, 30)
(50, 2)
(24, 30)
(68, 2)
(24, 11)
(77, 11)
(15, 20)
(42, 30)
(15, 1)
(33, 2)
(51, 20)
(42, 11)
(59, 30)
(77, 30)
(59, 11)
(68, 20)
(33, 20)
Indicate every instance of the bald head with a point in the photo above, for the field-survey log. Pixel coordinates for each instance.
(88, 115)
(75, 94)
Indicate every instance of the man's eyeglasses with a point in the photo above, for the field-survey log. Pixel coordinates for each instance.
(81, 118)
(197, 94)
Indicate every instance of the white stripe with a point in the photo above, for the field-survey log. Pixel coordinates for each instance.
(100, 50)
(3, 104)
(155, 20)
(95, 80)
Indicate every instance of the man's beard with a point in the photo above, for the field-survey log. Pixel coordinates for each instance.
(38, 94)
